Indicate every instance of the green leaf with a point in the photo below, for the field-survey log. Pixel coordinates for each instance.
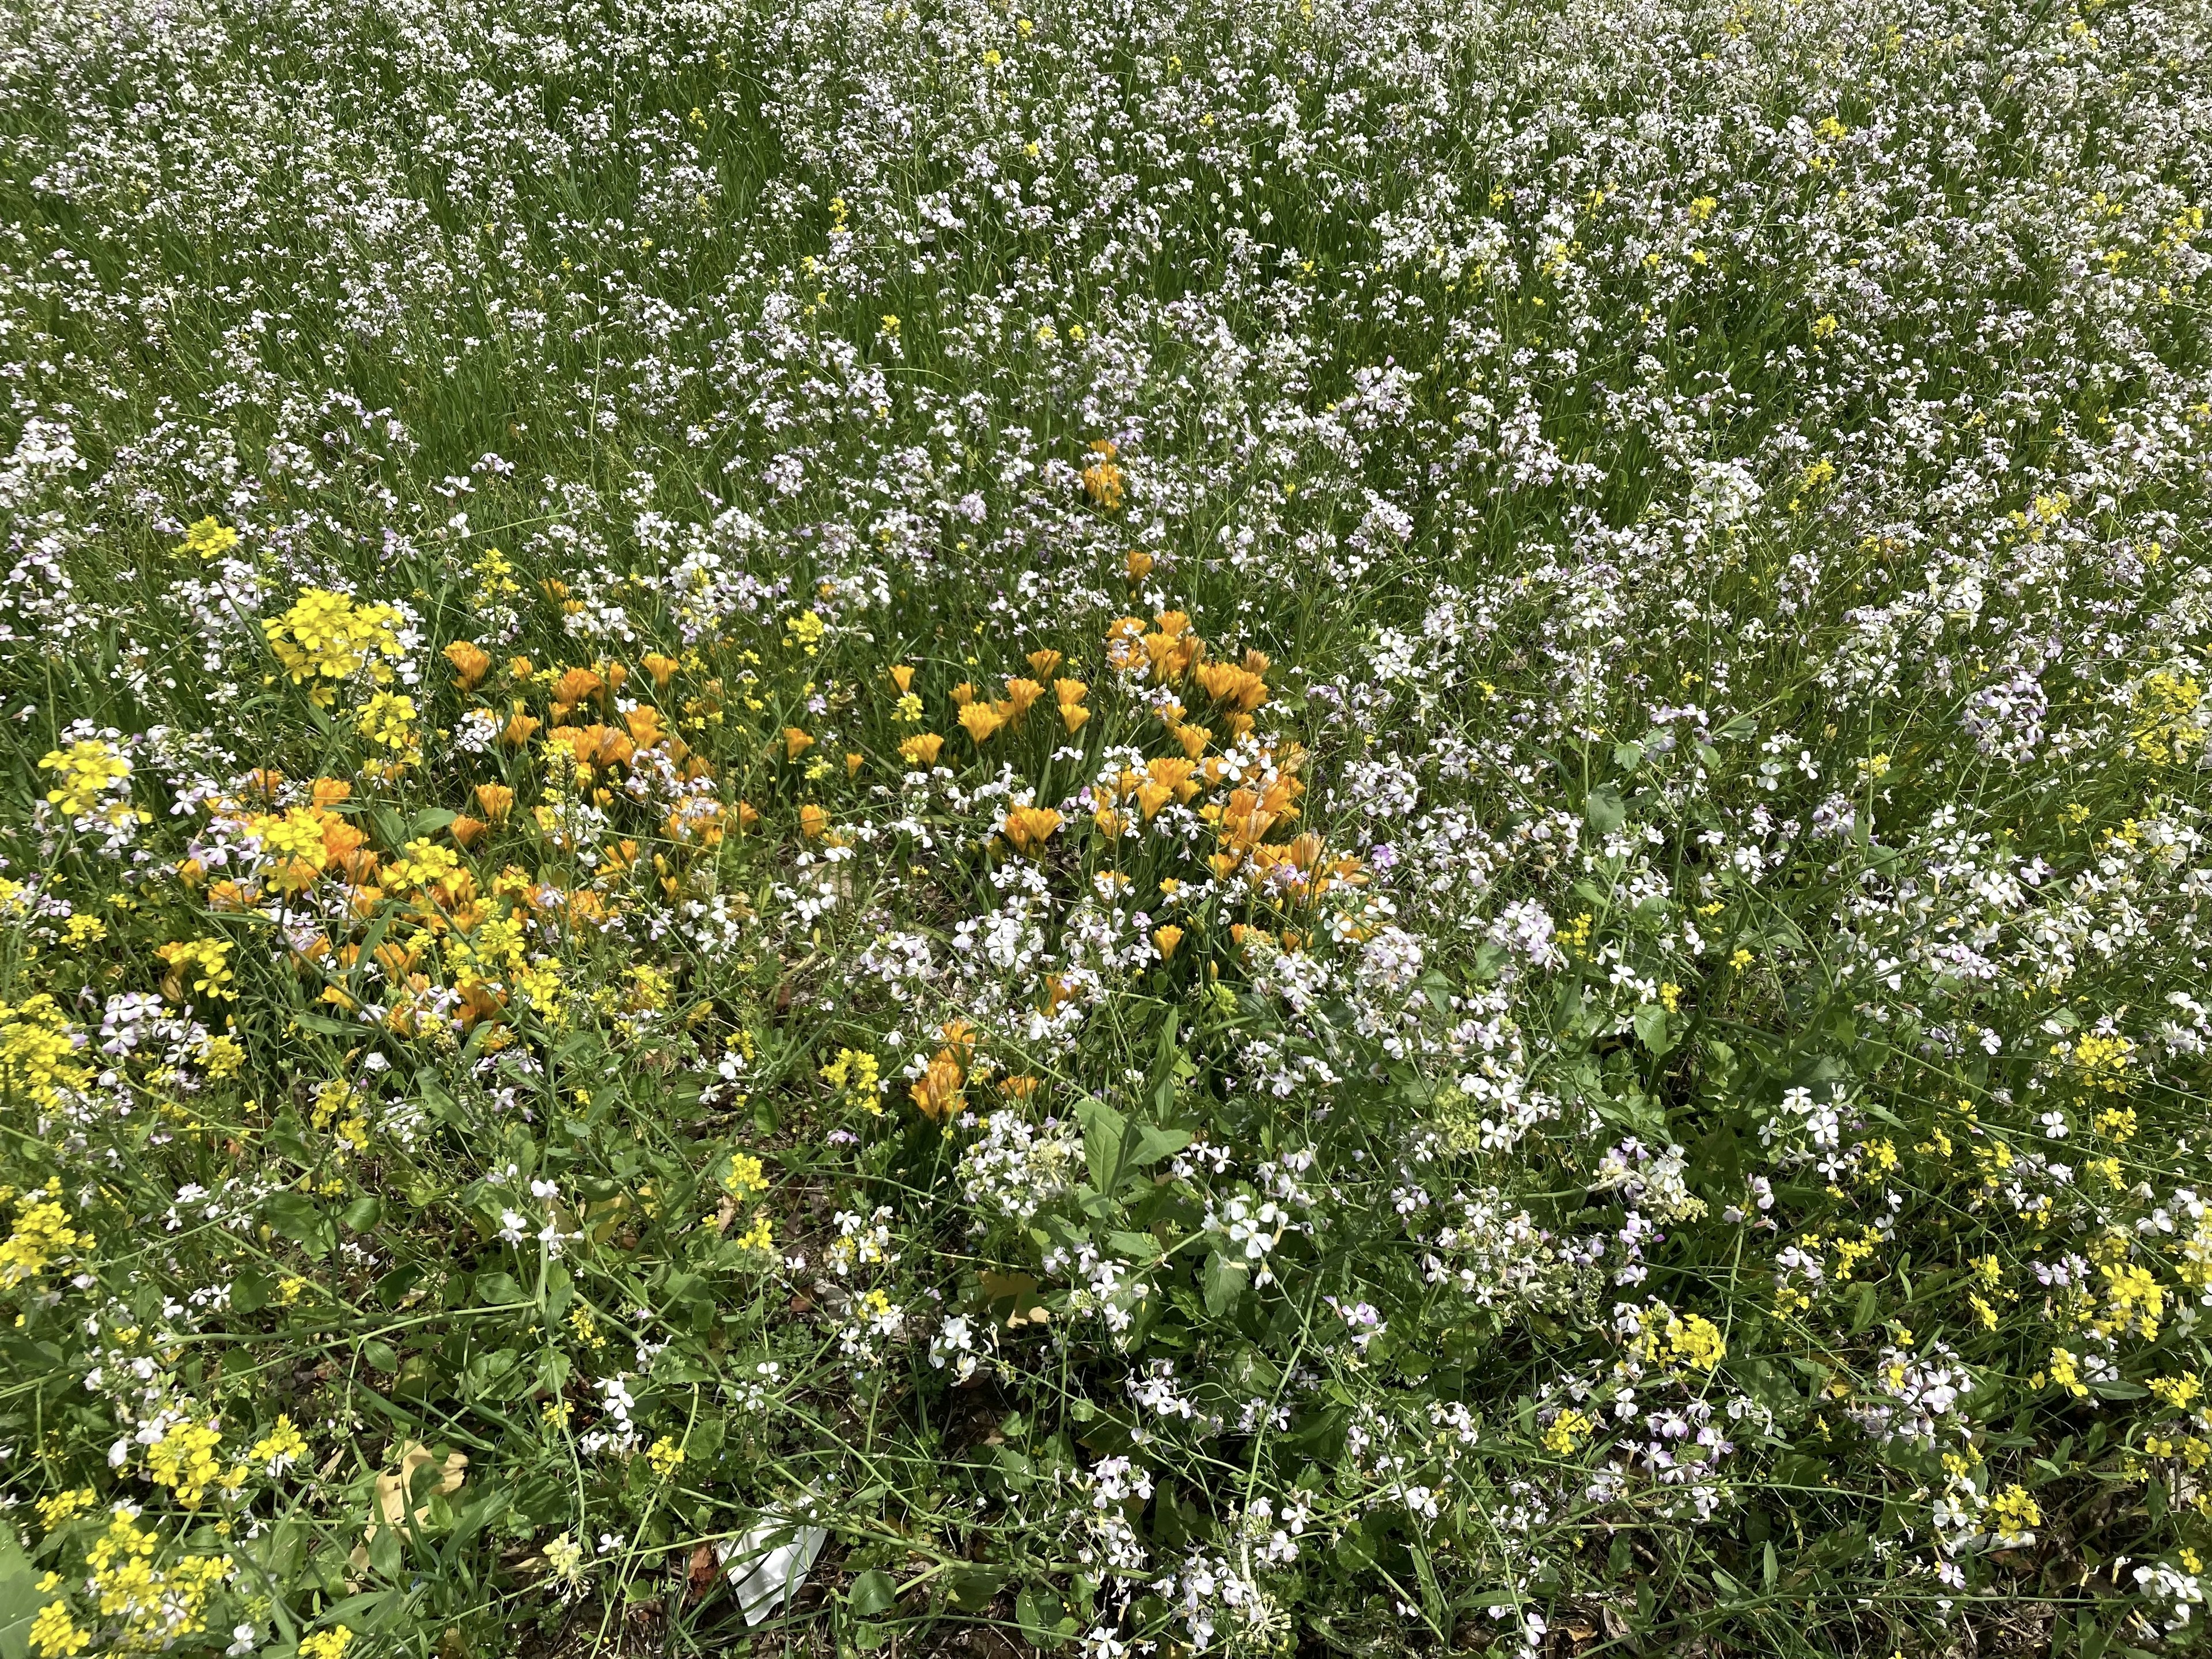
(1154, 1142)
(1043, 1616)
(1651, 1022)
(363, 1213)
(1105, 1129)
(20, 1599)
(972, 1588)
(300, 1219)
(1603, 810)
(1224, 1284)
(872, 1593)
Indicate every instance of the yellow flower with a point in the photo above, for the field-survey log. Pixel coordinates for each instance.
(324, 637)
(666, 1456)
(54, 1634)
(421, 862)
(89, 771)
(55, 1511)
(38, 1051)
(279, 1449)
(760, 1236)
(42, 1237)
(2066, 1373)
(745, 1176)
(183, 1460)
(389, 720)
(210, 538)
(199, 964)
(1697, 1341)
(330, 1643)
(858, 1070)
(1566, 1432)
(2013, 1512)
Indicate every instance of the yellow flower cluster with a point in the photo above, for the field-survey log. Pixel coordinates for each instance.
(326, 638)
(1566, 1432)
(183, 1460)
(43, 1236)
(157, 1607)
(90, 775)
(38, 1051)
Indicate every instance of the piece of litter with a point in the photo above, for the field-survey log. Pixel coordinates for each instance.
(768, 1565)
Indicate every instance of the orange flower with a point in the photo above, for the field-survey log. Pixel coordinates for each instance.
(812, 821)
(575, 684)
(902, 677)
(519, 728)
(853, 763)
(644, 724)
(1164, 778)
(329, 792)
(1102, 479)
(496, 799)
(1166, 939)
(1019, 1086)
(467, 830)
(1020, 695)
(663, 669)
(1041, 663)
(1030, 827)
(594, 744)
(1121, 647)
(1072, 716)
(795, 743)
(921, 749)
(1140, 564)
(471, 663)
(747, 816)
(980, 721)
(938, 1093)
(1194, 739)
(964, 694)
(1240, 688)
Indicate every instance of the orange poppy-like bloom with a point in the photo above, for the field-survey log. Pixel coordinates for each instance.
(795, 743)
(1102, 479)
(921, 749)
(980, 721)
(471, 663)
(1030, 827)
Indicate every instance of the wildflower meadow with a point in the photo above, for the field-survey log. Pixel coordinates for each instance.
(1286, 828)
